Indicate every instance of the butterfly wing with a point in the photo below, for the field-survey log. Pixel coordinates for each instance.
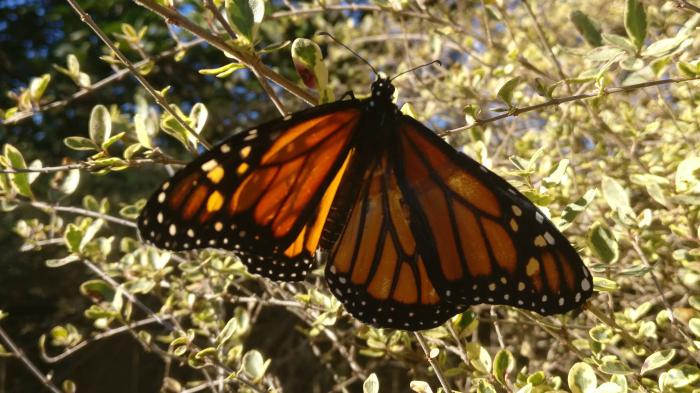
(375, 268)
(264, 192)
(484, 241)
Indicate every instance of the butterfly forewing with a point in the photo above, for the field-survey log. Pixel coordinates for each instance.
(490, 244)
(264, 192)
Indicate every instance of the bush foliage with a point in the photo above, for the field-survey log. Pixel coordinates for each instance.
(590, 107)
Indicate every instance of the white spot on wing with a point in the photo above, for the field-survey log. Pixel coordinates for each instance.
(548, 236)
(585, 284)
(252, 134)
(209, 165)
(539, 217)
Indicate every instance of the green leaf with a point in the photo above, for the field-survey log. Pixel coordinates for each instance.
(479, 357)
(615, 367)
(38, 86)
(72, 237)
(142, 133)
(601, 284)
(688, 70)
(603, 243)
(245, 16)
(371, 384)
(582, 378)
(52, 263)
(572, 210)
(527, 388)
(587, 28)
(80, 143)
(620, 381)
(536, 378)
(617, 198)
(420, 387)
(98, 290)
(109, 142)
(558, 172)
(254, 365)
(131, 150)
(485, 387)
(694, 302)
(505, 93)
(688, 176)
(608, 387)
(657, 359)
(275, 47)
(620, 42)
(100, 124)
(694, 326)
(198, 117)
(503, 364)
(205, 353)
(20, 181)
(309, 64)
(172, 126)
(601, 334)
(90, 233)
(70, 182)
(228, 331)
(665, 46)
(73, 65)
(605, 53)
(223, 71)
(636, 22)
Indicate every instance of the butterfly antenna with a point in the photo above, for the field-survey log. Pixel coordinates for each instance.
(348, 48)
(415, 68)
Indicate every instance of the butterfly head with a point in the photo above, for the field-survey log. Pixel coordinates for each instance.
(382, 90)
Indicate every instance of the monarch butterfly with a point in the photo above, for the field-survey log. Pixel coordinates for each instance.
(415, 231)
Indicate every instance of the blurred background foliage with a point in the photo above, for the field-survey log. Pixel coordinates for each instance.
(590, 107)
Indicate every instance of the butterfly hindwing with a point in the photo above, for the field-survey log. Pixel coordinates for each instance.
(491, 244)
(264, 192)
(375, 268)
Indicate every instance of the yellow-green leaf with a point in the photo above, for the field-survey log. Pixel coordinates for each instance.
(582, 378)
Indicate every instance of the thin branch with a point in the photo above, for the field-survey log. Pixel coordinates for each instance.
(687, 5)
(159, 98)
(162, 321)
(543, 40)
(577, 97)
(372, 8)
(173, 17)
(89, 165)
(82, 212)
(98, 337)
(19, 117)
(638, 249)
(263, 81)
(438, 372)
(27, 362)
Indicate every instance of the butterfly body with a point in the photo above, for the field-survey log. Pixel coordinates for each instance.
(415, 231)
